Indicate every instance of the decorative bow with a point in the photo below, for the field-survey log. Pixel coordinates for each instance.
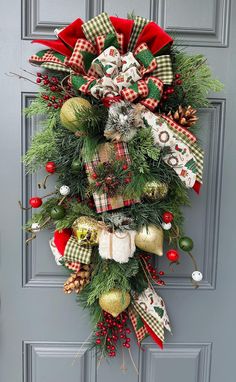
(94, 54)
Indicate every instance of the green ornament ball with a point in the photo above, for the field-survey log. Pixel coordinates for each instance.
(186, 244)
(76, 166)
(57, 212)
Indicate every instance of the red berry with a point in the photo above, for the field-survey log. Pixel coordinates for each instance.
(178, 82)
(53, 88)
(94, 176)
(127, 345)
(161, 273)
(45, 77)
(53, 98)
(49, 104)
(127, 180)
(38, 80)
(35, 202)
(46, 97)
(177, 75)
(167, 217)
(172, 255)
(98, 341)
(125, 166)
(128, 331)
(56, 106)
(165, 97)
(45, 82)
(39, 74)
(50, 167)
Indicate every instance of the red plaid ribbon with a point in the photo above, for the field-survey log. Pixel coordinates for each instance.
(104, 202)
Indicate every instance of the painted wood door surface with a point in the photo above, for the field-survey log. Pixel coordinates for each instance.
(41, 329)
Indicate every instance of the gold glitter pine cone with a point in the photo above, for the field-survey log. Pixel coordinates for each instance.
(184, 116)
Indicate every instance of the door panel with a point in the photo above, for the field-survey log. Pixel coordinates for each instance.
(44, 335)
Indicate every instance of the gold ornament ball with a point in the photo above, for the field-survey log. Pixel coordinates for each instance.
(155, 190)
(114, 301)
(150, 239)
(86, 230)
(69, 114)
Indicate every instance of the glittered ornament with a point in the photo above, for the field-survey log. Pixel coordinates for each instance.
(35, 202)
(186, 244)
(57, 212)
(70, 113)
(197, 276)
(114, 301)
(155, 190)
(35, 227)
(86, 230)
(167, 217)
(172, 255)
(76, 166)
(50, 167)
(150, 239)
(64, 190)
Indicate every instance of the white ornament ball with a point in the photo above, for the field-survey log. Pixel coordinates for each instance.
(64, 190)
(197, 276)
(166, 226)
(35, 227)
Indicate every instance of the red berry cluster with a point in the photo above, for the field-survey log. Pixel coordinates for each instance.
(105, 179)
(155, 275)
(52, 84)
(111, 330)
(178, 80)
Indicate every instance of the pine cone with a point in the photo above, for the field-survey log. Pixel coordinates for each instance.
(77, 281)
(185, 116)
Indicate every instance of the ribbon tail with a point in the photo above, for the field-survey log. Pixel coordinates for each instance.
(158, 341)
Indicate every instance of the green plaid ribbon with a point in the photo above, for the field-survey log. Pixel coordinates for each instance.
(97, 26)
(54, 66)
(77, 253)
(157, 327)
(139, 24)
(164, 69)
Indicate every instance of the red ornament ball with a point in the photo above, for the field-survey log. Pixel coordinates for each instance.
(50, 167)
(172, 255)
(35, 202)
(125, 166)
(167, 217)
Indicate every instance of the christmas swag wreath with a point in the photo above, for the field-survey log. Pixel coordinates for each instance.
(119, 102)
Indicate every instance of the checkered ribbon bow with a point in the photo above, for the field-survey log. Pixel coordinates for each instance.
(133, 77)
(95, 56)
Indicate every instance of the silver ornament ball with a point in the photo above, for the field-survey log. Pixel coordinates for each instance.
(35, 227)
(64, 190)
(197, 276)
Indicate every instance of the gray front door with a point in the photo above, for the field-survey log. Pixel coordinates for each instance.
(41, 329)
